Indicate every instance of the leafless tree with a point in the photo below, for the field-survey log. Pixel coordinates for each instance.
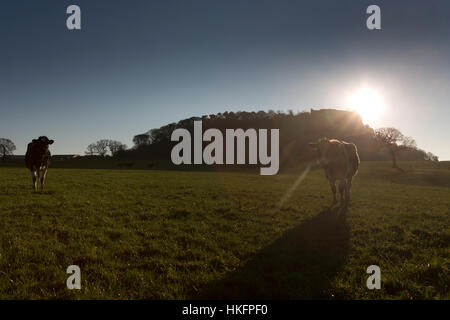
(91, 150)
(394, 141)
(7, 147)
(116, 146)
(98, 148)
(101, 147)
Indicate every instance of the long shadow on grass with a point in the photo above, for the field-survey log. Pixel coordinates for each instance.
(299, 265)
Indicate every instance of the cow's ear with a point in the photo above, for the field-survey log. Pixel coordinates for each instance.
(51, 142)
(313, 145)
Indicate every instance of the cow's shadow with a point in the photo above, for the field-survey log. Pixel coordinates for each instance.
(43, 192)
(299, 265)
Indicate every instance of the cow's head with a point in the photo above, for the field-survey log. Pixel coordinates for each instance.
(320, 147)
(42, 143)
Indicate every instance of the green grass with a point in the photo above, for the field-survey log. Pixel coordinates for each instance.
(176, 234)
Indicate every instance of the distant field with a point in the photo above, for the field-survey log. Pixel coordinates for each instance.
(158, 234)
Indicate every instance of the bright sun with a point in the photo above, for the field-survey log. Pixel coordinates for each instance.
(367, 102)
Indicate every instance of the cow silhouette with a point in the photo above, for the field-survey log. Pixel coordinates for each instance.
(37, 159)
(340, 161)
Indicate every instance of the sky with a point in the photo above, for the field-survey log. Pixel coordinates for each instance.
(139, 64)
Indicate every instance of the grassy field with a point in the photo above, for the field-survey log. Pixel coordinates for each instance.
(158, 234)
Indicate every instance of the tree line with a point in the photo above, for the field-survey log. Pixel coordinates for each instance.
(296, 131)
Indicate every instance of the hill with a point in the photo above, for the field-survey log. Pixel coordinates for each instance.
(296, 131)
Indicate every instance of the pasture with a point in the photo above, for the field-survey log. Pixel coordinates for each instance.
(158, 234)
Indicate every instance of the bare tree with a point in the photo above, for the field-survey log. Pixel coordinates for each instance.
(101, 147)
(91, 150)
(98, 148)
(7, 147)
(409, 142)
(394, 141)
(116, 146)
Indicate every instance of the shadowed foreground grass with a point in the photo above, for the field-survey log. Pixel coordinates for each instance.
(176, 235)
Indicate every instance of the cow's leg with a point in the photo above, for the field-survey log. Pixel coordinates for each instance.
(342, 189)
(333, 189)
(347, 189)
(42, 176)
(332, 182)
(34, 176)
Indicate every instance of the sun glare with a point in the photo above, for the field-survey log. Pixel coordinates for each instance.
(368, 103)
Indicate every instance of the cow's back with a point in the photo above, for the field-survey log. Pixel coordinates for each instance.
(353, 157)
(341, 159)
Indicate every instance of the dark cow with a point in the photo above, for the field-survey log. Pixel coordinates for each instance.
(340, 160)
(37, 159)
